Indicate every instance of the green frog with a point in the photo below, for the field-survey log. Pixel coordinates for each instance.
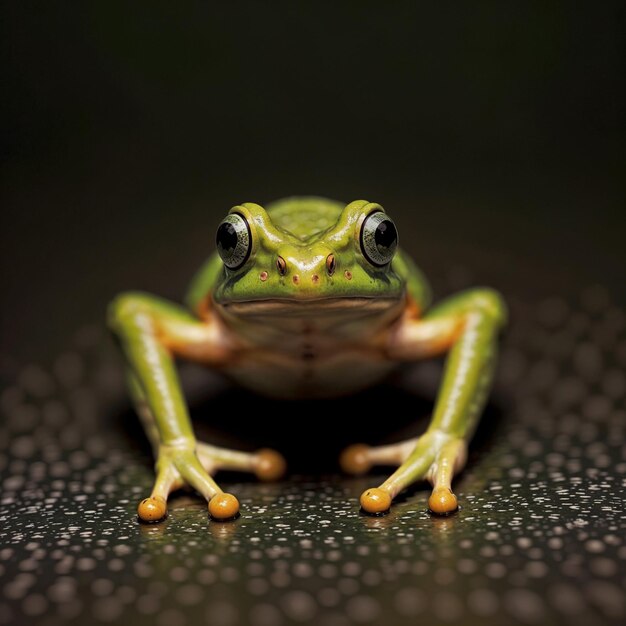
(307, 297)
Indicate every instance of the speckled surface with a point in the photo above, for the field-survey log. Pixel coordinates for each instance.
(540, 536)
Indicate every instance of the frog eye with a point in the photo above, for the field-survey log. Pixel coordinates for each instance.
(379, 238)
(234, 242)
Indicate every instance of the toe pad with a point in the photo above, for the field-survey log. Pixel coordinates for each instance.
(442, 501)
(375, 500)
(270, 465)
(223, 506)
(355, 460)
(152, 509)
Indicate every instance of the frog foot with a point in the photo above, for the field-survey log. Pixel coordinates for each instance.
(434, 456)
(180, 466)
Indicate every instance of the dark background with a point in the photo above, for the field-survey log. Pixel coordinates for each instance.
(493, 133)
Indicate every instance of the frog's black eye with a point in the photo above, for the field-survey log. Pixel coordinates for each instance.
(234, 242)
(379, 238)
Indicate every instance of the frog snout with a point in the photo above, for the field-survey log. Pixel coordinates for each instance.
(307, 271)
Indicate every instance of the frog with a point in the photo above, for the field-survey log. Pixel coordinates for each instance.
(307, 297)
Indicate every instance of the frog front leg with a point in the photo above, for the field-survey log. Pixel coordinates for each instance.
(152, 332)
(466, 325)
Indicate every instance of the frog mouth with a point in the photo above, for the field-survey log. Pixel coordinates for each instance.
(354, 306)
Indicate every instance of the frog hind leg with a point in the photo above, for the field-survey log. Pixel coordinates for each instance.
(466, 326)
(151, 331)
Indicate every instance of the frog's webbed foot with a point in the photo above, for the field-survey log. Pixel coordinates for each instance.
(466, 326)
(177, 467)
(434, 456)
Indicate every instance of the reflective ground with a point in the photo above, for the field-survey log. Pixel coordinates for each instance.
(539, 537)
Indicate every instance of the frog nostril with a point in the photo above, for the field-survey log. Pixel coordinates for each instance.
(281, 265)
(315, 278)
(296, 279)
(331, 264)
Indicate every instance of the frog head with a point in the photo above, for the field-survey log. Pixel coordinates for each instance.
(292, 254)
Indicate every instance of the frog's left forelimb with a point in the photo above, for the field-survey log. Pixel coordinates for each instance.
(151, 332)
(467, 326)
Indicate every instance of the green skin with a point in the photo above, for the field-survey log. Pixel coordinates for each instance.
(308, 328)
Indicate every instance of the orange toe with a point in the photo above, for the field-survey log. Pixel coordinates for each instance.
(442, 501)
(270, 465)
(223, 506)
(375, 500)
(355, 460)
(152, 509)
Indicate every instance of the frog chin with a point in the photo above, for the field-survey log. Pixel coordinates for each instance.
(313, 307)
